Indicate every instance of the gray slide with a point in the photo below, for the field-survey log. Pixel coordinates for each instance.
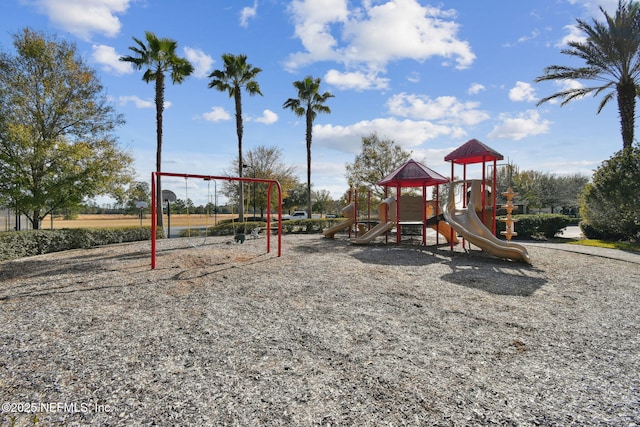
(470, 227)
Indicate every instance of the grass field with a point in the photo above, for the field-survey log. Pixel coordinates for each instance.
(100, 221)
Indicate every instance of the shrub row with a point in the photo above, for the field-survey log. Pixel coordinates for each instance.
(35, 242)
(295, 226)
(16, 244)
(601, 233)
(536, 226)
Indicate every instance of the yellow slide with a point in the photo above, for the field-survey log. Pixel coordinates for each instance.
(445, 230)
(469, 226)
(376, 231)
(349, 212)
(387, 215)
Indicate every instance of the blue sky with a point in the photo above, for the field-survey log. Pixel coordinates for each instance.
(428, 75)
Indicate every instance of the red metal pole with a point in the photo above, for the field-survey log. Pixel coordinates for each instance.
(451, 195)
(424, 214)
(464, 196)
(268, 217)
(386, 208)
(437, 211)
(279, 217)
(484, 190)
(495, 195)
(398, 229)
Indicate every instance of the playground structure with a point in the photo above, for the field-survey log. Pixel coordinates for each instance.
(509, 221)
(349, 212)
(469, 225)
(409, 211)
(472, 217)
(406, 213)
(411, 175)
(387, 219)
(271, 184)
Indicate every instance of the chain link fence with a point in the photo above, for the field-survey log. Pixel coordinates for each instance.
(9, 221)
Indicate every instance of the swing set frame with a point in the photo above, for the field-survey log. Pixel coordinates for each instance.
(272, 183)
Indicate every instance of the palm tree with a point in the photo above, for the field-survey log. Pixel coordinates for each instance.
(158, 56)
(308, 104)
(611, 53)
(235, 75)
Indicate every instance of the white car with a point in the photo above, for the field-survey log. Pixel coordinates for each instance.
(296, 215)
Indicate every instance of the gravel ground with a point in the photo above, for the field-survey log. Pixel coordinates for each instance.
(327, 334)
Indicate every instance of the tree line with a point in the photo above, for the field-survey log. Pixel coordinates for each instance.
(57, 142)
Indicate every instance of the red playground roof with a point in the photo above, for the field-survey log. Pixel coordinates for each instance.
(473, 151)
(413, 174)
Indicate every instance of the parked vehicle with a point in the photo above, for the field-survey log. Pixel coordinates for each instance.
(296, 215)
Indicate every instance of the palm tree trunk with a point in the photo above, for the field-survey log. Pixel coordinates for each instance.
(238, 101)
(159, 108)
(626, 107)
(309, 130)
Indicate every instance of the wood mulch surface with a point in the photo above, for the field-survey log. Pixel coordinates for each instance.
(327, 334)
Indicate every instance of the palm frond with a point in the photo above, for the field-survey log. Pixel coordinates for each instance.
(611, 53)
(605, 100)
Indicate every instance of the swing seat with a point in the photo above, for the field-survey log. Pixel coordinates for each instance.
(255, 232)
(240, 237)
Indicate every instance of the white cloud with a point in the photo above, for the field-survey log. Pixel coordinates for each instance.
(406, 133)
(476, 88)
(248, 12)
(84, 17)
(313, 20)
(201, 62)
(327, 175)
(568, 84)
(591, 11)
(355, 80)
(573, 35)
(374, 35)
(522, 39)
(523, 125)
(110, 60)
(268, 117)
(137, 101)
(414, 77)
(216, 114)
(444, 109)
(534, 34)
(522, 92)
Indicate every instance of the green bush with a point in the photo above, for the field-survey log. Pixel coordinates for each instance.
(610, 205)
(309, 226)
(536, 226)
(599, 233)
(224, 228)
(17, 244)
(295, 226)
